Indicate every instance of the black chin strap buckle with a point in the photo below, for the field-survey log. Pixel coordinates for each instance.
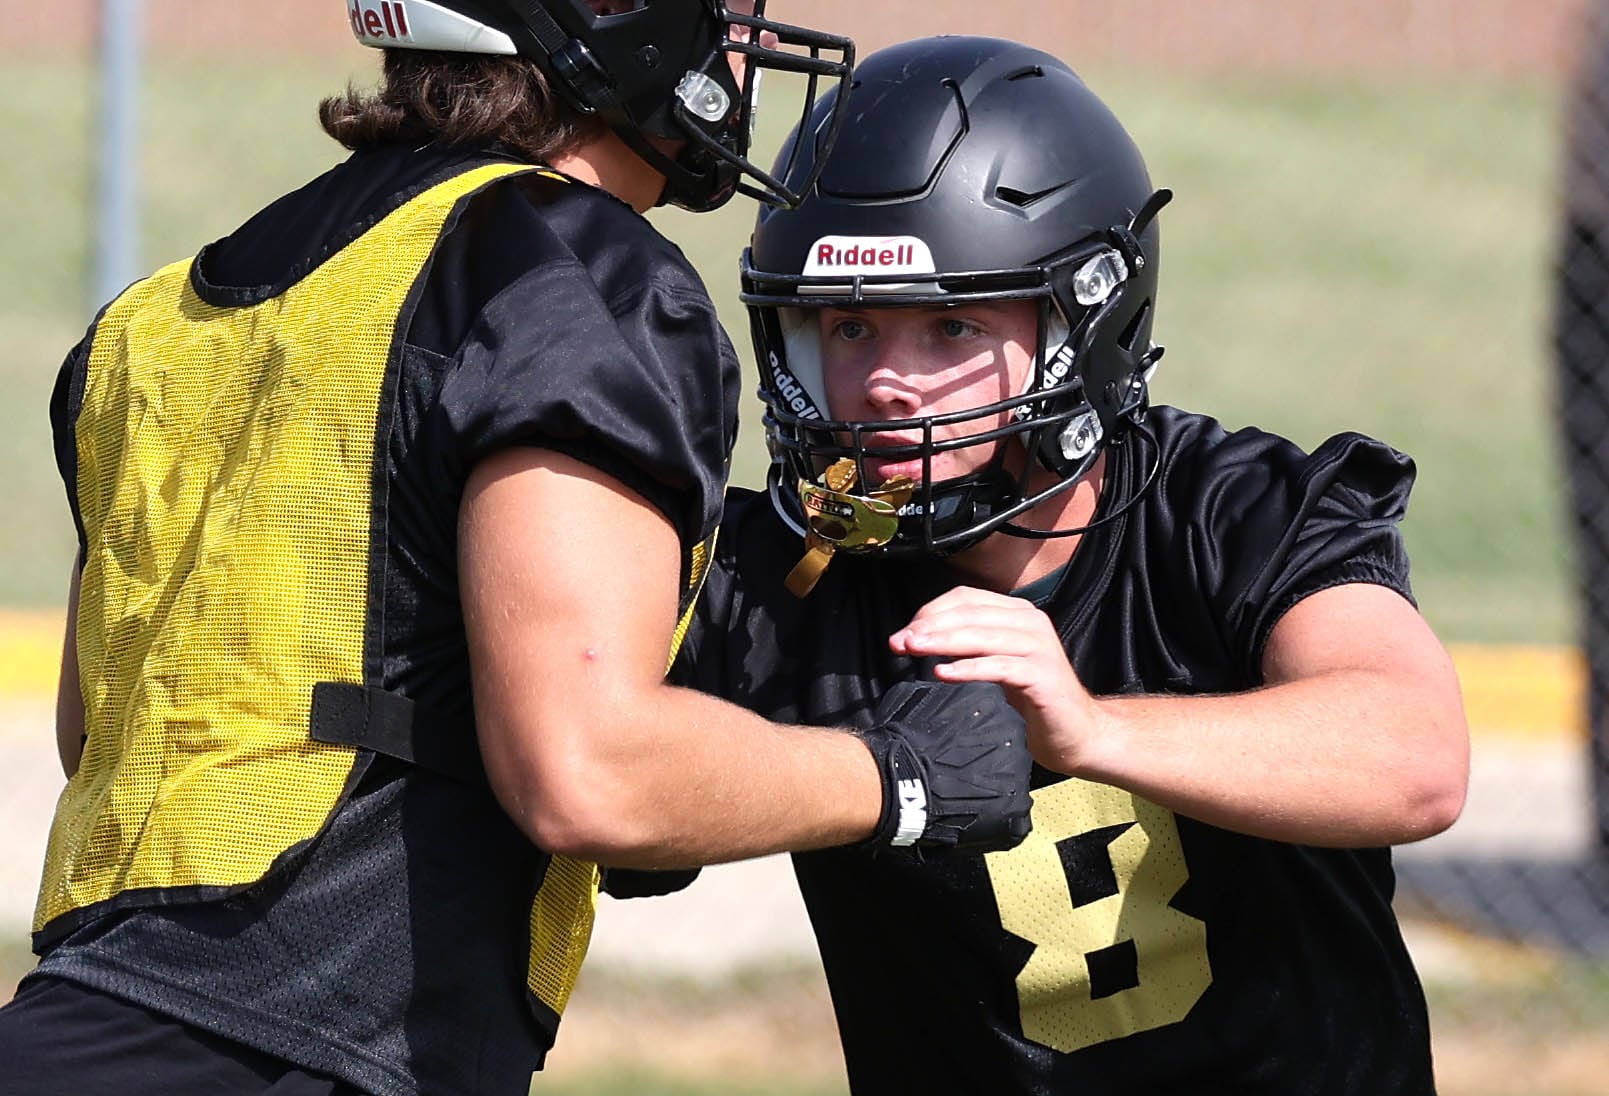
(578, 68)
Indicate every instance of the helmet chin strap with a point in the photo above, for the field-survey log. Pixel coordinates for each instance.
(838, 517)
(683, 186)
(1139, 428)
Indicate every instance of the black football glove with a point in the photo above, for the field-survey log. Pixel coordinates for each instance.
(955, 767)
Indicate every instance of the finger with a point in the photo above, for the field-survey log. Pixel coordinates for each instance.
(974, 639)
(963, 639)
(935, 617)
(1015, 675)
(977, 630)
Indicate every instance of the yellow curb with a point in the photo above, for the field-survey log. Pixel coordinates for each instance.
(1515, 691)
(30, 653)
(1531, 692)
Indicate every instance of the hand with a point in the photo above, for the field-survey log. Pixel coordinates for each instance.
(1007, 640)
(955, 766)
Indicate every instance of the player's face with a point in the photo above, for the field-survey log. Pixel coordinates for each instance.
(906, 363)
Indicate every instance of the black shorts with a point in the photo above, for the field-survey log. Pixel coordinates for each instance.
(58, 1037)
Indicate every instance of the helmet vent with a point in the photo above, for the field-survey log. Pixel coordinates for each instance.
(1022, 199)
(1132, 331)
(1024, 73)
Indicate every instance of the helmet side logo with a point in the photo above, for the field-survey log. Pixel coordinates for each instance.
(420, 24)
(850, 255)
(384, 22)
(790, 392)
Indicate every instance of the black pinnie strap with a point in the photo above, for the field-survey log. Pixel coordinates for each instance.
(391, 724)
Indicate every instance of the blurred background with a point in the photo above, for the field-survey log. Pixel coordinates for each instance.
(1388, 219)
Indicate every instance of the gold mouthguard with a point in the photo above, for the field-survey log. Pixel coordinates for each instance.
(836, 519)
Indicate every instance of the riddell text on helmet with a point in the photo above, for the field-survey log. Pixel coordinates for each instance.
(869, 255)
(791, 391)
(827, 255)
(383, 19)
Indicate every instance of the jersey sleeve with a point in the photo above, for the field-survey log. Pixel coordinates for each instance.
(641, 386)
(1272, 525)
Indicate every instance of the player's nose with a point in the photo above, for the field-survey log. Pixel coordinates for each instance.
(891, 389)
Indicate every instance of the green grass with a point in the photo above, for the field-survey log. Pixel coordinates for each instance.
(1339, 256)
(1357, 258)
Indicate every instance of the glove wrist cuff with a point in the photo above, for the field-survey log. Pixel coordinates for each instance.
(878, 741)
(904, 816)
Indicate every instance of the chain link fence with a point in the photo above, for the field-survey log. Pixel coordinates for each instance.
(1391, 217)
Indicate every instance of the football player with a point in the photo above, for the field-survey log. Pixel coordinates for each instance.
(1234, 704)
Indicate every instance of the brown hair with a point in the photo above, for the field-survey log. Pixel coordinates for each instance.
(458, 99)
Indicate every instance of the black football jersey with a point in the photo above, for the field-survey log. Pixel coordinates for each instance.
(392, 953)
(1122, 948)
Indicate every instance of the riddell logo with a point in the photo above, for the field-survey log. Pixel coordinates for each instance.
(869, 255)
(791, 391)
(385, 19)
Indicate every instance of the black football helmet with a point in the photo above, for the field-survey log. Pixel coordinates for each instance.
(647, 69)
(975, 170)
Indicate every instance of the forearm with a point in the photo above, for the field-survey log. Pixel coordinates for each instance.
(1350, 758)
(677, 778)
(593, 755)
(1359, 738)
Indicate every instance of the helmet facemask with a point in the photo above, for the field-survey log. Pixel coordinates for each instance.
(937, 515)
(720, 140)
(1091, 303)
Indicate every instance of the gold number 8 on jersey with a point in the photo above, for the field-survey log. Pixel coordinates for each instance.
(1107, 966)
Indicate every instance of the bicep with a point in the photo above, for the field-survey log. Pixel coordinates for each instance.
(1371, 679)
(1355, 626)
(569, 585)
(1373, 639)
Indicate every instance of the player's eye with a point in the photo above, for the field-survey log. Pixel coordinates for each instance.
(850, 329)
(954, 327)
